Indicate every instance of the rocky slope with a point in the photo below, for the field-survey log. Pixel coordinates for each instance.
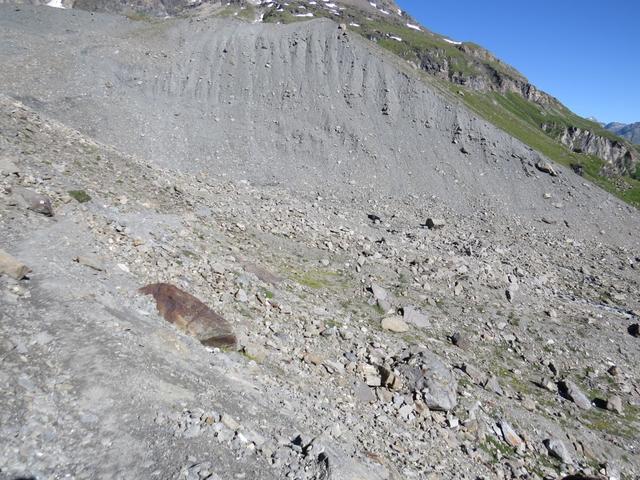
(414, 293)
(464, 66)
(629, 131)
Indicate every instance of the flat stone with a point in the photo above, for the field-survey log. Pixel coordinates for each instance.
(395, 324)
(90, 262)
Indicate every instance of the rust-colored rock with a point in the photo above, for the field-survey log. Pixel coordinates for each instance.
(191, 315)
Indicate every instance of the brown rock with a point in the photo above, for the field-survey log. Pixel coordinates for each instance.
(12, 267)
(191, 315)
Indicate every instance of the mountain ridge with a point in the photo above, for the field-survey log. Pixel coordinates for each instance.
(630, 131)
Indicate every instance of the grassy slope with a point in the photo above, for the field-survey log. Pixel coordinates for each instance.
(520, 118)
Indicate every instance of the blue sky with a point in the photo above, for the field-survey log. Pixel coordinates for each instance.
(586, 53)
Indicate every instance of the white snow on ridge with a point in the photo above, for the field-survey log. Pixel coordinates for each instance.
(55, 4)
(353, 24)
(395, 38)
(308, 14)
(414, 27)
(452, 42)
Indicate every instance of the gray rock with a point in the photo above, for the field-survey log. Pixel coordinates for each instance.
(229, 422)
(363, 393)
(557, 449)
(614, 404)
(434, 380)
(415, 317)
(7, 167)
(35, 201)
(510, 436)
(571, 391)
(90, 262)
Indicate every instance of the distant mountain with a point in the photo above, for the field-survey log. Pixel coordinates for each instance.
(629, 131)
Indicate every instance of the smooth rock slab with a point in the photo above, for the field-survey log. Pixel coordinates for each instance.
(191, 315)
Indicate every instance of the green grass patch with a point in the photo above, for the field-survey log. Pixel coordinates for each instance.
(79, 196)
(317, 279)
(625, 425)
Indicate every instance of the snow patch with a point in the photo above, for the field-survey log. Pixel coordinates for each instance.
(414, 27)
(452, 42)
(55, 4)
(308, 14)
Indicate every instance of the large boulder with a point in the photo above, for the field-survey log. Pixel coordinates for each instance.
(191, 315)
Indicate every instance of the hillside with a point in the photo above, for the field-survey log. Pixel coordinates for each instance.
(490, 87)
(234, 249)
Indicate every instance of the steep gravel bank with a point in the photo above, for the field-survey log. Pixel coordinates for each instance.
(302, 105)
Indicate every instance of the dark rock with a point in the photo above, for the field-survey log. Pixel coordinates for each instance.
(577, 169)
(435, 223)
(191, 315)
(634, 329)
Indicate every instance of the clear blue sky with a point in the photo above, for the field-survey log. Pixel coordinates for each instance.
(586, 53)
